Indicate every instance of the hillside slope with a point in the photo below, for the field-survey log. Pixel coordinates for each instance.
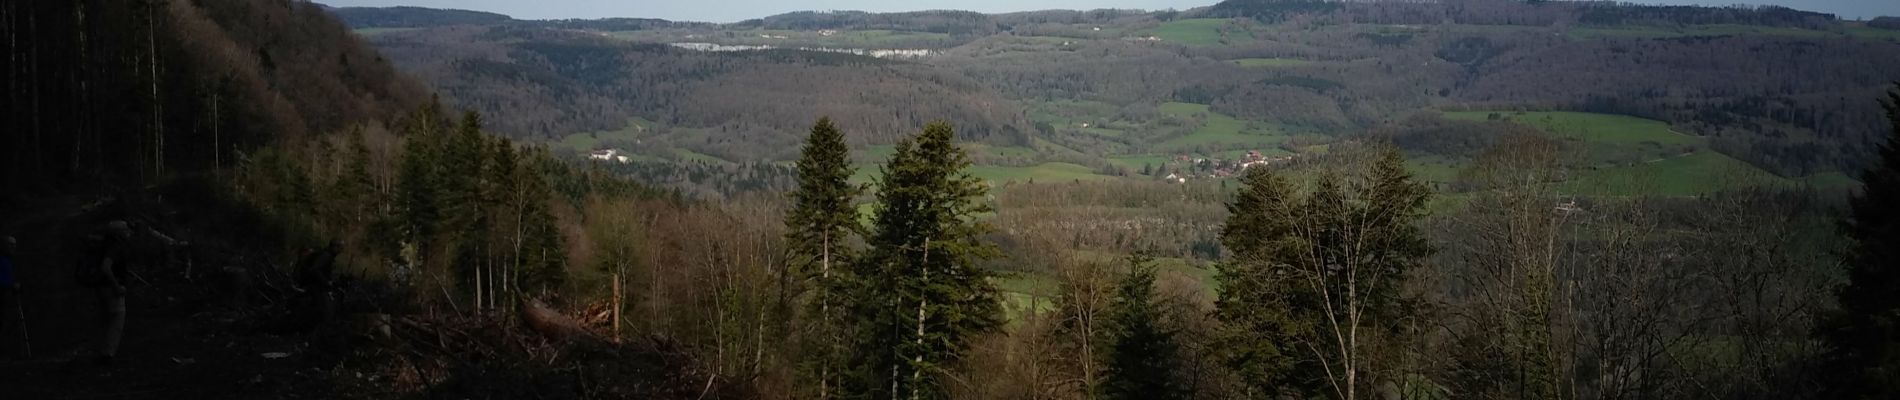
(129, 93)
(539, 82)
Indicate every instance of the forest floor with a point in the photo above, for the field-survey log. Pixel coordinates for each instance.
(192, 332)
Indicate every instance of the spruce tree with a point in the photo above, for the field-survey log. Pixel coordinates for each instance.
(921, 300)
(1312, 282)
(1863, 359)
(543, 258)
(1142, 354)
(1253, 298)
(817, 229)
(356, 184)
(417, 185)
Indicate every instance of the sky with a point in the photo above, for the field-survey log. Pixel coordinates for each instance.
(736, 10)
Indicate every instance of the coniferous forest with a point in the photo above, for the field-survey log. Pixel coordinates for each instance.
(1253, 199)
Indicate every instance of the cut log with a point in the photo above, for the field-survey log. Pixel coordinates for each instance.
(544, 320)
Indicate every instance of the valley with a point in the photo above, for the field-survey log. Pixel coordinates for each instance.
(1249, 199)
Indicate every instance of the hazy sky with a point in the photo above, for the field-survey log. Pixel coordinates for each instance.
(735, 10)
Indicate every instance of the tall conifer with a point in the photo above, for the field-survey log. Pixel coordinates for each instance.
(817, 229)
(1863, 359)
(1143, 355)
(921, 300)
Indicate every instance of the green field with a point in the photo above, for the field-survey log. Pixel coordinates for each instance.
(1271, 62)
(1004, 151)
(1701, 173)
(1629, 156)
(1433, 169)
(1831, 181)
(1045, 172)
(590, 141)
(1135, 162)
(1197, 32)
(1605, 138)
(1071, 114)
(1218, 129)
(1862, 30)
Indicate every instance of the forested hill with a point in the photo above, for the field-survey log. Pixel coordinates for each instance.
(544, 83)
(1513, 12)
(413, 17)
(122, 94)
(1769, 86)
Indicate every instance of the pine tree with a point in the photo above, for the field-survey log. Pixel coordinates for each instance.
(1311, 283)
(464, 203)
(818, 227)
(459, 174)
(417, 185)
(542, 258)
(1253, 298)
(499, 187)
(356, 182)
(1142, 354)
(921, 300)
(1863, 360)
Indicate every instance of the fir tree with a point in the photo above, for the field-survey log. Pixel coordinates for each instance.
(1253, 297)
(1142, 354)
(818, 227)
(417, 186)
(356, 184)
(541, 256)
(921, 299)
(1311, 283)
(1863, 359)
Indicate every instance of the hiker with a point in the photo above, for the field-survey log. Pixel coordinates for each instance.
(107, 279)
(316, 269)
(316, 304)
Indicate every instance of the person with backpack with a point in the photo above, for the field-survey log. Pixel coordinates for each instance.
(102, 268)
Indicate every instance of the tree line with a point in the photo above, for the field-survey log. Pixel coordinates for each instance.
(1329, 287)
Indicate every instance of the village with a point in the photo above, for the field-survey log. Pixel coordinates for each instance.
(1185, 167)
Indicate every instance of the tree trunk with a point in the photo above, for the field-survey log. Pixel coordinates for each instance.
(824, 315)
(217, 146)
(158, 125)
(916, 373)
(79, 103)
(616, 312)
(478, 290)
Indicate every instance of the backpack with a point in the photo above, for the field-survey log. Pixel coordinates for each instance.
(91, 252)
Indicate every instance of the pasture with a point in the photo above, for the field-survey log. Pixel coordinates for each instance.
(1219, 131)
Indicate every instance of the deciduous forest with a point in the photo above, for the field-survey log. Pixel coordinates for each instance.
(1255, 199)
